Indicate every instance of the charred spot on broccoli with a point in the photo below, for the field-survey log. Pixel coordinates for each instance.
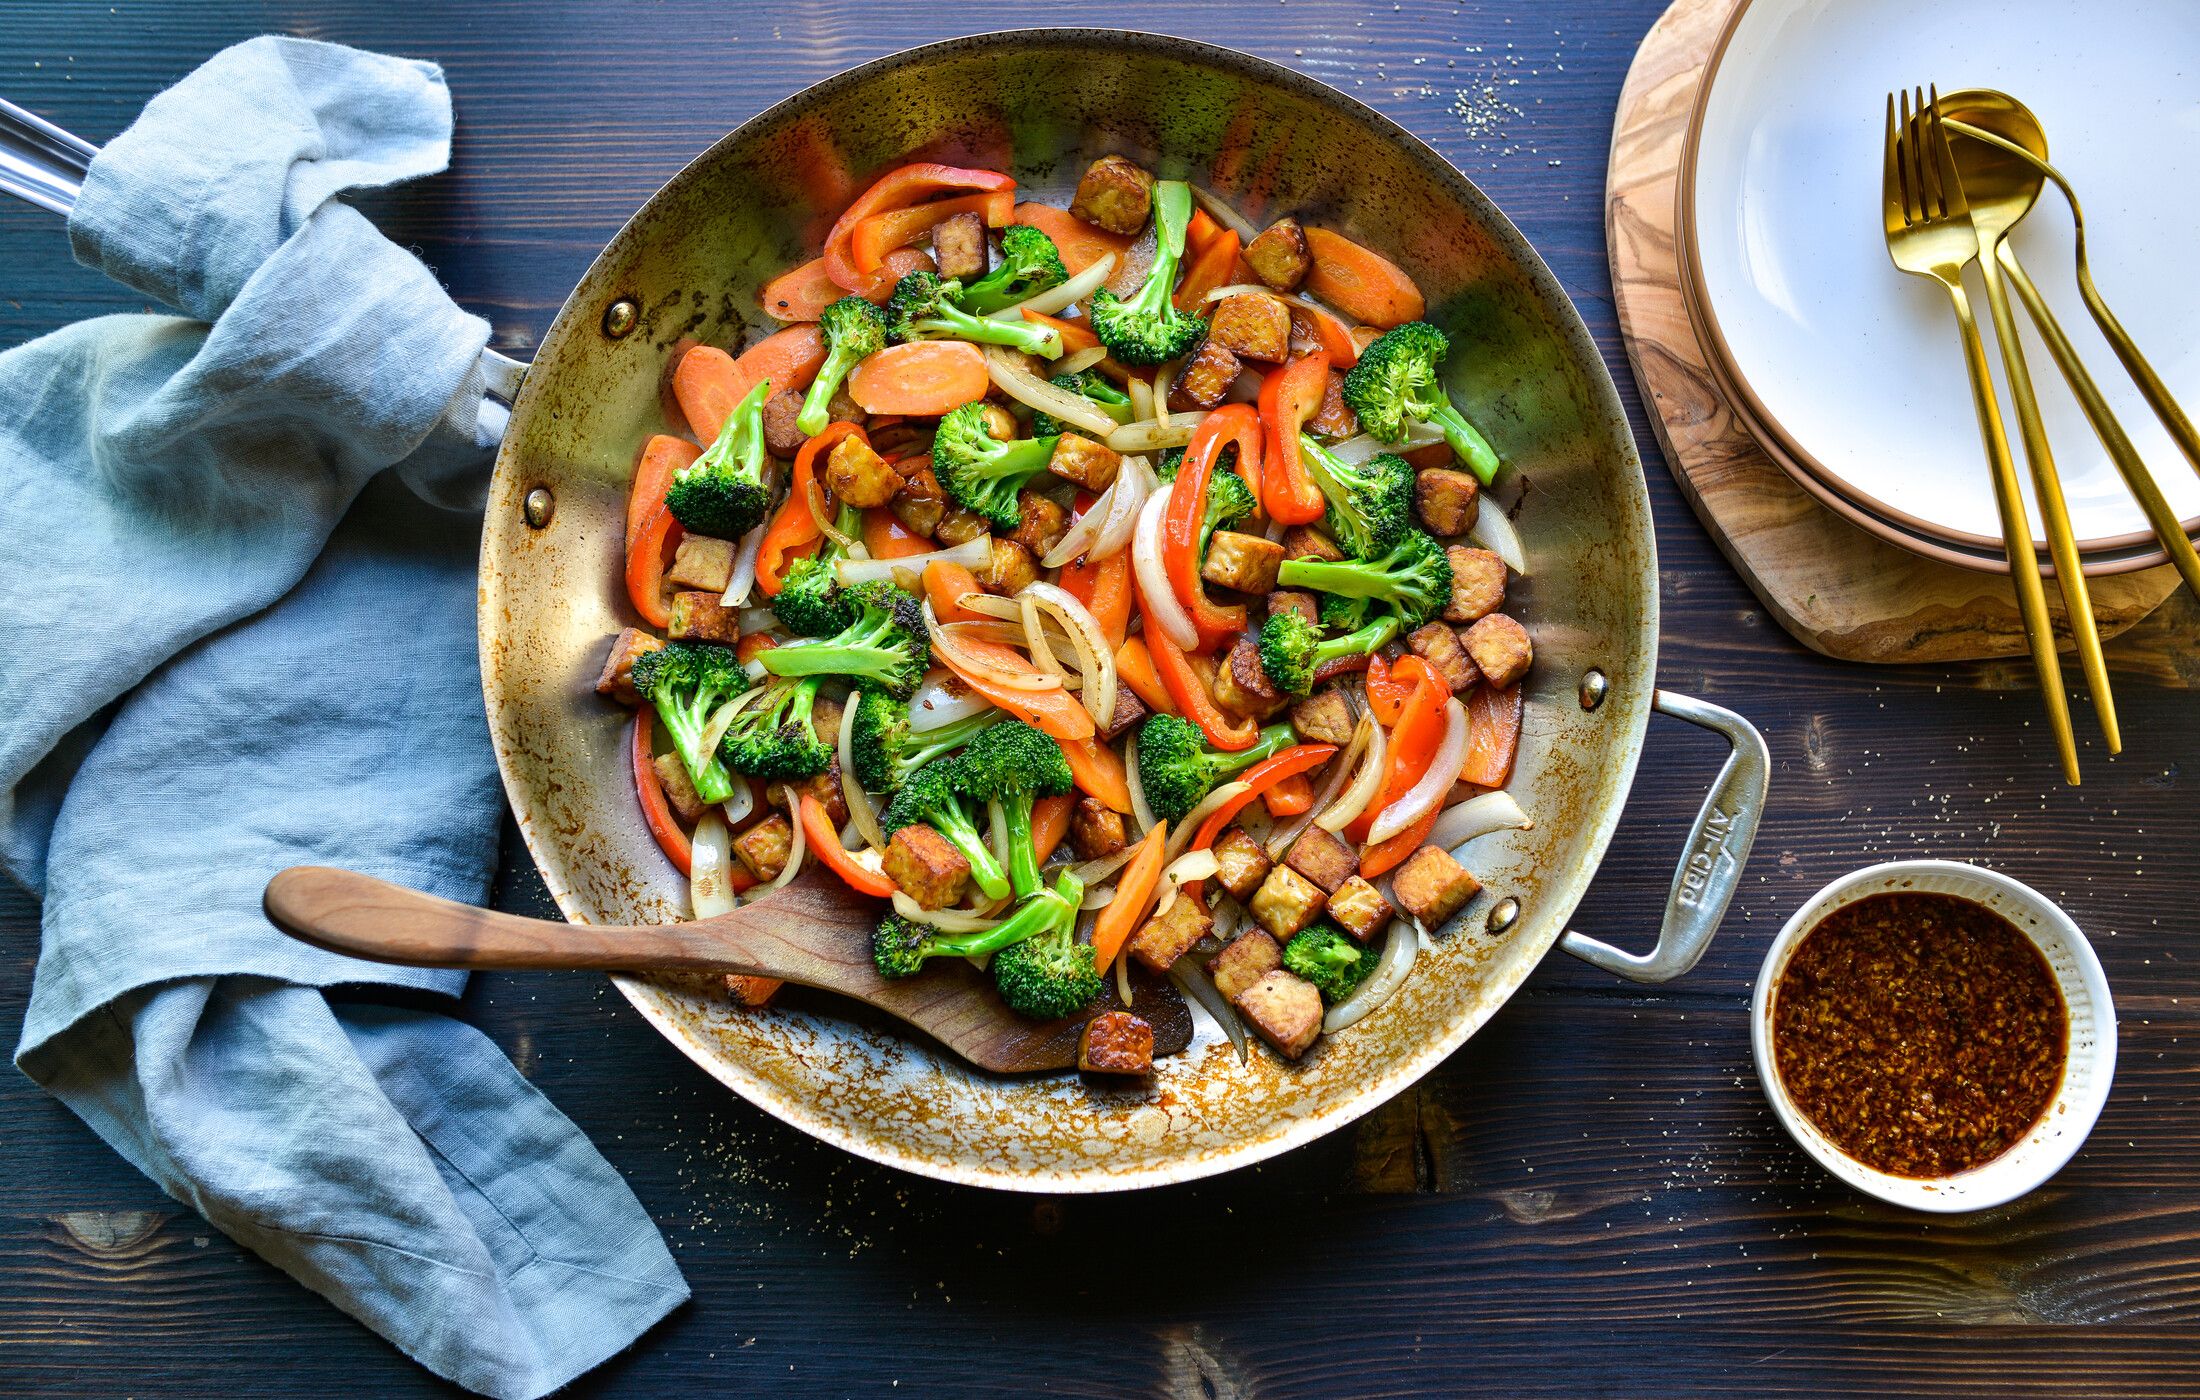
(773, 738)
(930, 796)
(923, 308)
(1050, 974)
(1412, 578)
(1086, 385)
(981, 473)
(885, 646)
(1292, 649)
(887, 750)
(811, 602)
(1012, 763)
(1177, 769)
(687, 683)
(723, 492)
(1368, 507)
(1394, 386)
(1030, 264)
(900, 947)
(1148, 329)
(854, 328)
(1332, 962)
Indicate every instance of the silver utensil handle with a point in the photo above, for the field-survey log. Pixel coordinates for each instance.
(1711, 866)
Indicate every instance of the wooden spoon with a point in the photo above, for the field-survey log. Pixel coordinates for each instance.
(813, 933)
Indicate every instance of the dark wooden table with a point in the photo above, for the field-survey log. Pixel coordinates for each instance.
(1590, 1198)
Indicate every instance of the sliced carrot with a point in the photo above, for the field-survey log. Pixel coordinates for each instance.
(709, 382)
(1493, 718)
(887, 538)
(818, 833)
(1134, 895)
(662, 458)
(1360, 282)
(672, 839)
(793, 533)
(1055, 711)
(945, 583)
(1075, 335)
(803, 293)
(753, 645)
(1134, 666)
(922, 378)
(1377, 859)
(1208, 269)
(1105, 590)
(903, 185)
(1201, 231)
(1335, 336)
(645, 565)
(1049, 824)
(889, 230)
(1099, 771)
(1290, 796)
(1080, 244)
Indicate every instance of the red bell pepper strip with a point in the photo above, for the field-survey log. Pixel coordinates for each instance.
(818, 833)
(1291, 797)
(1210, 267)
(1192, 700)
(645, 565)
(906, 185)
(1288, 397)
(887, 538)
(662, 458)
(1258, 779)
(1389, 854)
(1493, 717)
(1413, 740)
(1105, 590)
(793, 533)
(1335, 336)
(1188, 509)
(1387, 692)
(890, 229)
(671, 838)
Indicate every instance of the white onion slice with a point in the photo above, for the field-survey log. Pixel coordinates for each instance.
(943, 700)
(1493, 530)
(851, 791)
(722, 720)
(1192, 865)
(1094, 657)
(1200, 989)
(1220, 211)
(1063, 297)
(1478, 816)
(1081, 360)
(1115, 535)
(1189, 827)
(1156, 598)
(1092, 872)
(1348, 807)
(710, 867)
(1097, 897)
(739, 807)
(1340, 768)
(760, 619)
(795, 853)
(1141, 398)
(1419, 800)
(1163, 379)
(997, 830)
(1109, 519)
(1123, 980)
(1029, 389)
(1035, 637)
(945, 642)
(1355, 450)
(743, 581)
(945, 920)
(1399, 953)
(1141, 810)
(971, 554)
(1153, 435)
(1259, 289)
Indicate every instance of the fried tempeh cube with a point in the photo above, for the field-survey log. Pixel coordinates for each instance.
(1090, 464)
(1040, 523)
(1252, 327)
(1321, 857)
(1325, 717)
(1243, 863)
(920, 503)
(1500, 646)
(1115, 1042)
(617, 678)
(1205, 377)
(1292, 600)
(1335, 418)
(764, 847)
(1009, 570)
(959, 526)
(1306, 542)
(1432, 887)
(1439, 646)
(1168, 937)
(1115, 195)
(1096, 829)
(1279, 256)
(858, 476)
(1129, 710)
(1286, 902)
(702, 562)
(1241, 683)
(1447, 501)
(1359, 909)
(672, 776)
(926, 866)
(1246, 563)
(702, 617)
(1477, 584)
(958, 247)
(1283, 1010)
(825, 787)
(1251, 956)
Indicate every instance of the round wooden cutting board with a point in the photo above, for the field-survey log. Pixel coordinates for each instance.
(1837, 589)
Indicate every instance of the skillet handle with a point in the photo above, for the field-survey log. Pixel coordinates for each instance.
(1711, 866)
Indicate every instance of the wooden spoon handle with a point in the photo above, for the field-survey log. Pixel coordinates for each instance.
(355, 914)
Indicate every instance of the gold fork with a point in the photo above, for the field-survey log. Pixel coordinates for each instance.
(1929, 234)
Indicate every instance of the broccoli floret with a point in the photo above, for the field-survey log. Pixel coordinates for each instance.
(923, 308)
(1229, 499)
(900, 946)
(1011, 764)
(853, 329)
(811, 602)
(978, 471)
(1412, 578)
(1332, 962)
(773, 738)
(885, 646)
(1344, 614)
(687, 682)
(1395, 385)
(1292, 649)
(887, 750)
(1177, 769)
(1085, 384)
(1030, 264)
(1050, 974)
(1148, 328)
(1368, 507)
(930, 796)
(723, 492)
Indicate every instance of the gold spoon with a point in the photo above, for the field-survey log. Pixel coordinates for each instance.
(1999, 125)
(2001, 188)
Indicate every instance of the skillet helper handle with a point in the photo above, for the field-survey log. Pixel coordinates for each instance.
(1711, 867)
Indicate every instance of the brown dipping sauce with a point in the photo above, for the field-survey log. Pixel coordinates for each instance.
(1923, 1034)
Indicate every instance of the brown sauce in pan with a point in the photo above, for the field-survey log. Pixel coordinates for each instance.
(1923, 1034)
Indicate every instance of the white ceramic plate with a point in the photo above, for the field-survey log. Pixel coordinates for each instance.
(1855, 365)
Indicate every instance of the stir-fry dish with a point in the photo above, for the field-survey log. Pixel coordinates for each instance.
(1093, 585)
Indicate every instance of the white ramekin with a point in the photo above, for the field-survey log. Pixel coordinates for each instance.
(2087, 1070)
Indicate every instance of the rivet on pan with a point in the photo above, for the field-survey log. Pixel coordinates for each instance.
(538, 507)
(620, 318)
(1504, 915)
(1594, 687)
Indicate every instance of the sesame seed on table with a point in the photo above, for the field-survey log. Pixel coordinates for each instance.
(1590, 1197)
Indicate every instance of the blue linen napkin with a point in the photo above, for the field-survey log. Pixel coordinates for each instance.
(237, 557)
